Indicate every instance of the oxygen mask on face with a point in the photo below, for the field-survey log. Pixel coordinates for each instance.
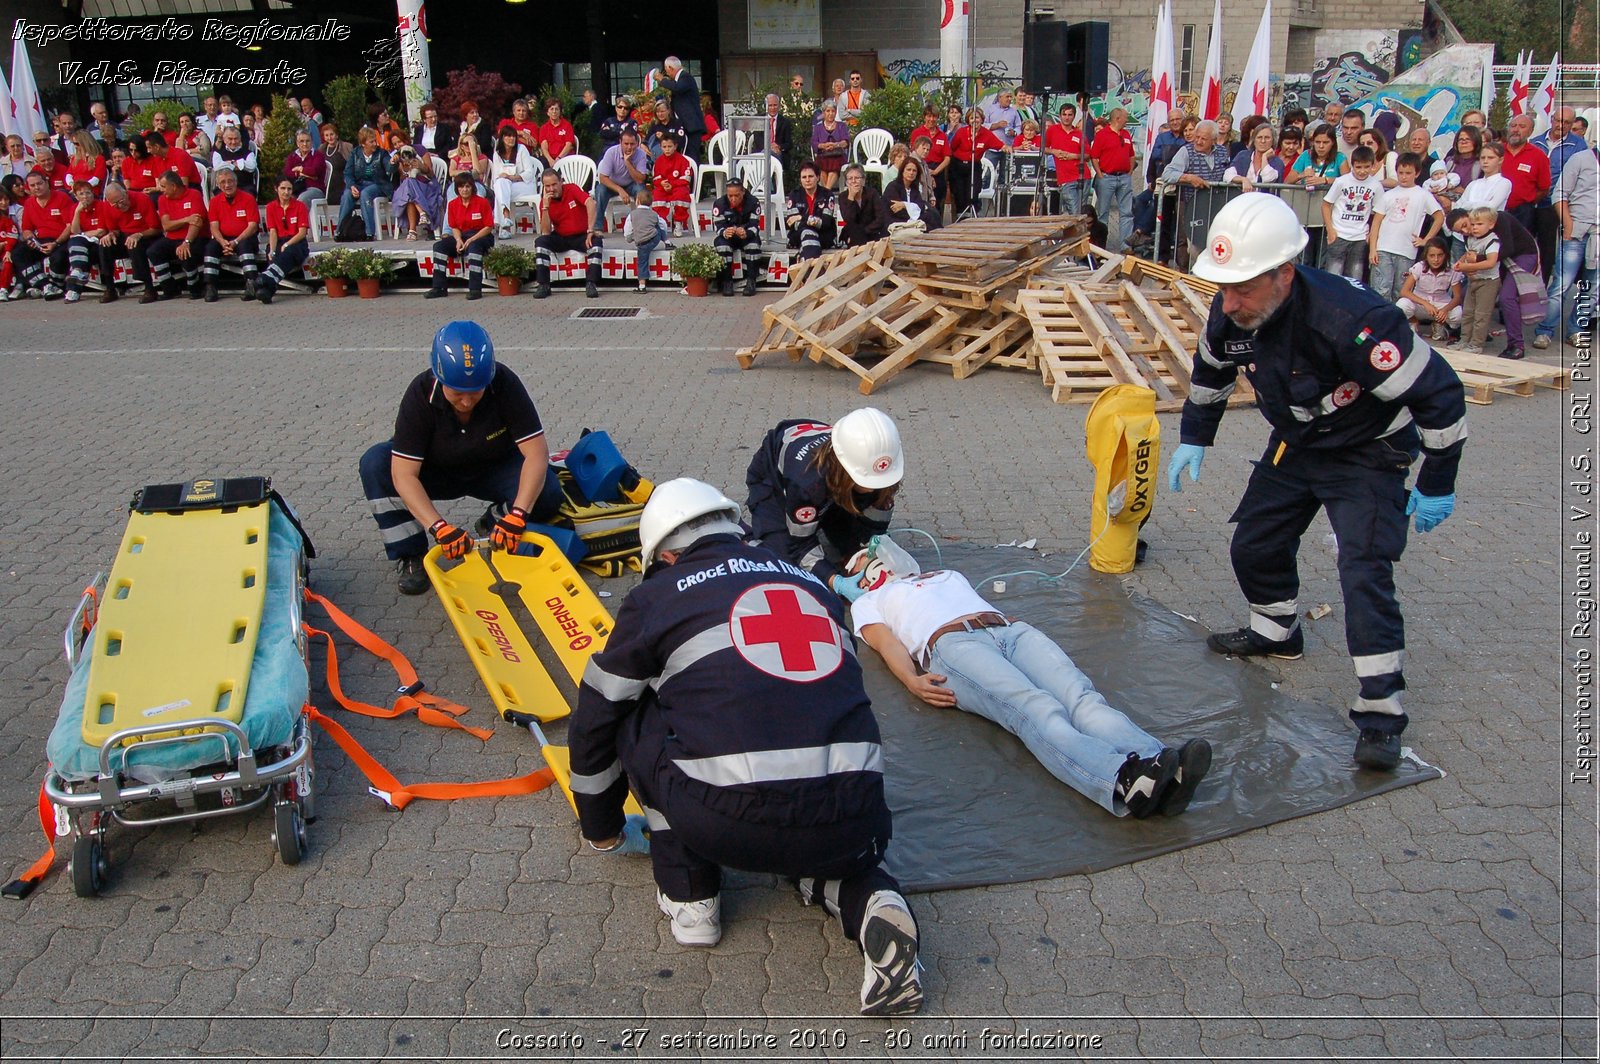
(881, 561)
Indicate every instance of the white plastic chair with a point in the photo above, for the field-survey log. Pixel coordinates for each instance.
(388, 222)
(773, 197)
(579, 170)
(870, 148)
(986, 194)
(716, 164)
(324, 220)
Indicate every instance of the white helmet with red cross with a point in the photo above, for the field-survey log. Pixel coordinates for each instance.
(1252, 233)
(682, 502)
(867, 444)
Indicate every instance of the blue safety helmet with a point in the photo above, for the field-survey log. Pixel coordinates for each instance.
(463, 356)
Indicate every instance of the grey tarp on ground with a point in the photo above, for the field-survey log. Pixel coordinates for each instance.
(972, 806)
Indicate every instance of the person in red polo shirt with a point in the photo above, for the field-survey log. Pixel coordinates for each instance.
(235, 228)
(938, 158)
(556, 138)
(179, 247)
(1063, 142)
(1527, 168)
(139, 170)
(8, 241)
(163, 159)
(288, 238)
(134, 224)
(54, 172)
(1111, 153)
(527, 129)
(41, 257)
(566, 223)
(469, 221)
(91, 223)
(967, 146)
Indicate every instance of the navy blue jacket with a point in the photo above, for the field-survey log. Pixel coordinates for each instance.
(1334, 368)
(733, 676)
(789, 498)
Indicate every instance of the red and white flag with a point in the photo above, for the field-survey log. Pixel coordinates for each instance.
(1253, 86)
(1517, 94)
(1211, 88)
(27, 110)
(1542, 104)
(1162, 73)
(8, 120)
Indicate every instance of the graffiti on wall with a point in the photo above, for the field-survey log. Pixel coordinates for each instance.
(1409, 53)
(1346, 77)
(992, 66)
(1436, 92)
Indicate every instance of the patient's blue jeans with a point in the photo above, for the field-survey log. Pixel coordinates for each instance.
(1019, 678)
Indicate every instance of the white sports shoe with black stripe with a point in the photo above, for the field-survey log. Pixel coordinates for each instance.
(892, 985)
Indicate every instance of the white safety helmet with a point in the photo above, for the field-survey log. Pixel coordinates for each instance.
(1251, 234)
(676, 503)
(868, 446)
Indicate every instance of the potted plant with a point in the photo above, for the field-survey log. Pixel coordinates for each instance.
(697, 264)
(369, 270)
(508, 264)
(334, 268)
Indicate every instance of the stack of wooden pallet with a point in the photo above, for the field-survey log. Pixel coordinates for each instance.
(1020, 293)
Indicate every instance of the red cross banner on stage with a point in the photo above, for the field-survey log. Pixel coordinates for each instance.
(571, 265)
(660, 269)
(785, 632)
(612, 266)
(524, 224)
(778, 270)
(425, 265)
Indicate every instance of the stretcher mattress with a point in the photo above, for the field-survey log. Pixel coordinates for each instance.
(278, 683)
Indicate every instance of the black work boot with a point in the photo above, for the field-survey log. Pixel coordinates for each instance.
(1244, 643)
(413, 578)
(541, 283)
(250, 290)
(750, 280)
(725, 282)
(1194, 761)
(1378, 750)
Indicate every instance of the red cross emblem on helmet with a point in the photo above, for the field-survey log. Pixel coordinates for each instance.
(1385, 357)
(882, 464)
(1346, 393)
(785, 632)
(1221, 249)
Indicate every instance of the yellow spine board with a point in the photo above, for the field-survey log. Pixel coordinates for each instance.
(559, 758)
(178, 621)
(516, 679)
(1124, 445)
(569, 614)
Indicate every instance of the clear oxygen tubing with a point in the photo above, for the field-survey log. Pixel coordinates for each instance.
(1019, 572)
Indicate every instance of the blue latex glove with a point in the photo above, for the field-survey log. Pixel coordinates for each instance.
(847, 586)
(1189, 457)
(1431, 510)
(635, 837)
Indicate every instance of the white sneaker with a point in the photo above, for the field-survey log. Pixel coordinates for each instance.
(5, 295)
(72, 295)
(892, 985)
(694, 923)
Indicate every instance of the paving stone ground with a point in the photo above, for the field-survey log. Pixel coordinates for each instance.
(1451, 920)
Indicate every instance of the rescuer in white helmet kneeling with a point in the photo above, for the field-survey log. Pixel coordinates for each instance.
(729, 699)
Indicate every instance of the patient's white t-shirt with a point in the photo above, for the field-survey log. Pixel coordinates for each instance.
(915, 608)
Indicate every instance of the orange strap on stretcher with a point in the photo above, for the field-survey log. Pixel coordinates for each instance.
(430, 709)
(23, 885)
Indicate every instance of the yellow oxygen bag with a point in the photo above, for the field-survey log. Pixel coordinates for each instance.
(1124, 446)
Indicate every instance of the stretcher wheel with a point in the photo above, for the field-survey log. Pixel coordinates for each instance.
(289, 832)
(88, 866)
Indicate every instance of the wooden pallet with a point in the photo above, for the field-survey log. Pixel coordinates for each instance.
(1484, 375)
(964, 264)
(1140, 270)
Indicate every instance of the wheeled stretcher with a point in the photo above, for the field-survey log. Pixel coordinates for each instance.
(188, 682)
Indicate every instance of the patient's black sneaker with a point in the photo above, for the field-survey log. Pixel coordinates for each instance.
(1244, 643)
(413, 579)
(1377, 750)
(1143, 782)
(486, 521)
(1194, 761)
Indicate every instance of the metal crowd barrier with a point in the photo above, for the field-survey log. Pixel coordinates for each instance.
(1196, 207)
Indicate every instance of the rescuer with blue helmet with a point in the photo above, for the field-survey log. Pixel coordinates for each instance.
(466, 427)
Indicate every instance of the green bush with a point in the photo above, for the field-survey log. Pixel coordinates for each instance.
(364, 263)
(276, 143)
(696, 260)
(896, 107)
(334, 263)
(345, 99)
(507, 260)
